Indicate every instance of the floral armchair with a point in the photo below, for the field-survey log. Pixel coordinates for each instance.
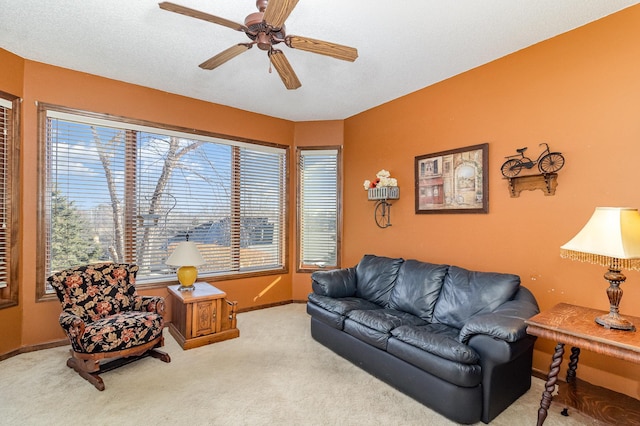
(106, 321)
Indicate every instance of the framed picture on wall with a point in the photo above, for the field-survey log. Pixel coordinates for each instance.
(454, 181)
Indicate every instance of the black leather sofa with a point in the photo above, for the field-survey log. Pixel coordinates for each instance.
(453, 339)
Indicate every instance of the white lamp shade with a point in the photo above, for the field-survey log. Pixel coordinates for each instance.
(611, 233)
(186, 254)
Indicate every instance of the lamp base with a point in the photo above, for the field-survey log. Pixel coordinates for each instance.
(615, 322)
(187, 276)
(614, 293)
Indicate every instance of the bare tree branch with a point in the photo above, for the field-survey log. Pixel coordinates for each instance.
(118, 249)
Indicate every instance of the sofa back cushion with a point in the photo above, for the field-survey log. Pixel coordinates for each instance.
(417, 288)
(375, 277)
(469, 293)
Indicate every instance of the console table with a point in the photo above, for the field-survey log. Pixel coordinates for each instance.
(201, 316)
(576, 326)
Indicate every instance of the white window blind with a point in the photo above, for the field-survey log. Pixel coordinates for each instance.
(6, 120)
(318, 213)
(131, 193)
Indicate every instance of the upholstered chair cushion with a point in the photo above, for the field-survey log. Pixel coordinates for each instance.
(118, 332)
(96, 291)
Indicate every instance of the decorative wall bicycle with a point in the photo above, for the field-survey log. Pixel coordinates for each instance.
(547, 161)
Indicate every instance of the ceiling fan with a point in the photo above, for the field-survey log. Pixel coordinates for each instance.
(266, 28)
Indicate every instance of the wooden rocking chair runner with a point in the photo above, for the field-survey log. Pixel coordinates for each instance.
(108, 324)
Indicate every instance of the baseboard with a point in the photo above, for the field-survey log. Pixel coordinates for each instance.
(32, 348)
(270, 305)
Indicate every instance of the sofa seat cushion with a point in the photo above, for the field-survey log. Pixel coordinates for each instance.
(468, 293)
(435, 349)
(343, 305)
(329, 318)
(438, 339)
(118, 332)
(417, 288)
(374, 326)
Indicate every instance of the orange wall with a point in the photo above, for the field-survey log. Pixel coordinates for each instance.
(580, 92)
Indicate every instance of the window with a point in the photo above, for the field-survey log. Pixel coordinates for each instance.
(129, 191)
(9, 195)
(319, 218)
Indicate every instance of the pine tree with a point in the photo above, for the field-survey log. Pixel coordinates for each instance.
(71, 241)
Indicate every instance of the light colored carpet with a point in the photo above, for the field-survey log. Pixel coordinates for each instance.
(273, 374)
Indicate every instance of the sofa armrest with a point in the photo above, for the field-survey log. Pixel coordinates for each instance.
(334, 283)
(73, 327)
(506, 323)
(149, 304)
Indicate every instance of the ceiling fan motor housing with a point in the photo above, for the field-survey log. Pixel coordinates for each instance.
(264, 35)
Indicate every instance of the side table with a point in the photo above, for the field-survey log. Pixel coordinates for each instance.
(575, 325)
(201, 316)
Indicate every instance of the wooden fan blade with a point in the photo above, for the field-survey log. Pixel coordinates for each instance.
(278, 11)
(172, 7)
(282, 65)
(224, 56)
(337, 51)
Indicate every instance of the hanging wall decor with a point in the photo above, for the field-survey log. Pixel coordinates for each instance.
(454, 181)
(380, 190)
(548, 162)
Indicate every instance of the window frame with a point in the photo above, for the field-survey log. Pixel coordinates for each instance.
(42, 221)
(9, 295)
(308, 268)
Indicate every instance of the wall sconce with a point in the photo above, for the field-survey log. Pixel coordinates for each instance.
(382, 211)
(383, 188)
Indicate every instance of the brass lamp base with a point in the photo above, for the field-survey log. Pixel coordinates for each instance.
(615, 322)
(614, 293)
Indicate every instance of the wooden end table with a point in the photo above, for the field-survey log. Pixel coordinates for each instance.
(201, 316)
(575, 325)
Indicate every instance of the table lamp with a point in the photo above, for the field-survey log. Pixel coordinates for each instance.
(186, 256)
(610, 238)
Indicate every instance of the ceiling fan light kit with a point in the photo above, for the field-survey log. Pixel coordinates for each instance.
(265, 29)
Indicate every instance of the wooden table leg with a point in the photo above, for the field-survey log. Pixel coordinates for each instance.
(572, 397)
(550, 386)
(573, 364)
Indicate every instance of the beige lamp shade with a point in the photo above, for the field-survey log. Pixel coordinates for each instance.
(186, 254)
(611, 233)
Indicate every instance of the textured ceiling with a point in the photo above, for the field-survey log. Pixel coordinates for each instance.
(403, 46)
